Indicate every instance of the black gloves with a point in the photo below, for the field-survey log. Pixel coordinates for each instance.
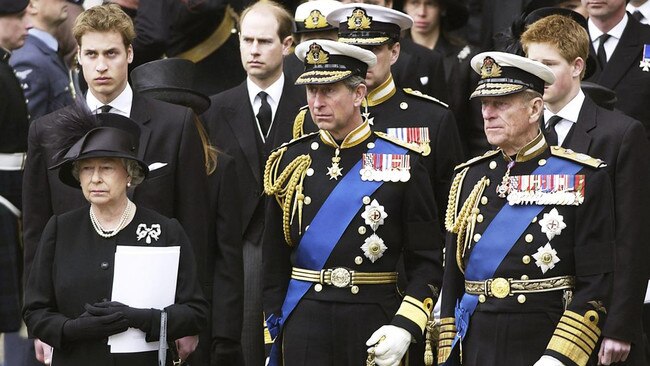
(88, 326)
(137, 318)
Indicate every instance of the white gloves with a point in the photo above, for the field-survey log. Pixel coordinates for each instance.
(548, 361)
(390, 350)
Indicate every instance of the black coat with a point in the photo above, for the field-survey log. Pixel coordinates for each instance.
(74, 266)
(178, 190)
(624, 76)
(585, 248)
(13, 110)
(232, 127)
(410, 229)
(420, 68)
(619, 141)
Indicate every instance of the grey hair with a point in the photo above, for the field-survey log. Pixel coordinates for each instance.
(353, 81)
(133, 169)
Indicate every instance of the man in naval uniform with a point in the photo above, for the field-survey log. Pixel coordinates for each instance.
(406, 114)
(530, 247)
(346, 204)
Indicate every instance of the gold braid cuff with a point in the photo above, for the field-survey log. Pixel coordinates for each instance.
(446, 338)
(576, 336)
(287, 187)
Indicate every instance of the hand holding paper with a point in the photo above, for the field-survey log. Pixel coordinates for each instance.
(137, 318)
(88, 326)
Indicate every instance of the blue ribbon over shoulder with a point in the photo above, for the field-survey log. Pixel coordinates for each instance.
(495, 243)
(325, 230)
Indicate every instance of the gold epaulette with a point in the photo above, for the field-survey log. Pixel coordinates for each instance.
(581, 158)
(298, 122)
(446, 336)
(294, 140)
(416, 311)
(418, 93)
(475, 160)
(576, 336)
(287, 186)
(411, 146)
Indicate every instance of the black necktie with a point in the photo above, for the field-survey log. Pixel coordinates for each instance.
(264, 114)
(105, 108)
(602, 56)
(551, 135)
(637, 15)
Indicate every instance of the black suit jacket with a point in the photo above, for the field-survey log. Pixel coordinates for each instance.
(232, 127)
(13, 110)
(619, 141)
(420, 68)
(176, 190)
(623, 74)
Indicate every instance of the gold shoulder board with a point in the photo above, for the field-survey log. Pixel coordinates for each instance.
(581, 158)
(418, 93)
(396, 141)
(298, 122)
(475, 160)
(294, 140)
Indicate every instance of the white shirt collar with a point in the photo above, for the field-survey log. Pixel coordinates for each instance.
(571, 110)
(121, 104)
(615, 32)
(644, 9)
(274, 91)
(47, 38)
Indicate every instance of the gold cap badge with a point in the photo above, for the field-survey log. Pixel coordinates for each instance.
(315, 20)
(359, 20)
(316, 55)
(490, 69)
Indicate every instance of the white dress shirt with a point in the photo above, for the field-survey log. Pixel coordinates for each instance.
(274, 92)
(643, 9)
(569, 115)
(120, 105)
(614, 36)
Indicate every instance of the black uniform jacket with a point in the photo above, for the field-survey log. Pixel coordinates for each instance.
(178, 189)
(232, 127)
(74, 266)
(44, 77)
(391, 107)
(409, 229)
(584, 247)
(13, 110)
(624, 74)
(420, 68)
(620, 141)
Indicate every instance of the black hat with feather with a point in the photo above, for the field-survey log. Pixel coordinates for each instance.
(78, 134)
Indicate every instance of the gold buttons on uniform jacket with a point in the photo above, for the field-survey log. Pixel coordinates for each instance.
(477, 237)
(521, 299)
(358, 260)
(526, 259)
(493, 164)
(318, 287)
(307, 200)
(314, 145)
(362, 230)
(484, 200)
(481, 298)
(529, 238)
(354, 289)
(479, 218)
(310, 172)
(541, 162)
(534, 219)
(524, 277)
(366, 200)
(403, 105)
(371, 145)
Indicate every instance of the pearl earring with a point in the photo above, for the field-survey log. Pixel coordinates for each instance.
(128, 184)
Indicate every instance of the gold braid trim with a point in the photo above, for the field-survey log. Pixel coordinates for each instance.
(466, 221)
(285, 185)
(298, 124)
(451, 221)
(576, 336)
(446, 335)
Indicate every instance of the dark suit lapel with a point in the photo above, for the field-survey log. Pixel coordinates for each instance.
(140, 114)
(242, 122)
(579, 139)
(284, 115)
(626, 55)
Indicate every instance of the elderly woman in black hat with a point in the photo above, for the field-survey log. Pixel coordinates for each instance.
(67, 294)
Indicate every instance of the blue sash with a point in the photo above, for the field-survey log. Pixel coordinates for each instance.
(324, 232)
(497, 240)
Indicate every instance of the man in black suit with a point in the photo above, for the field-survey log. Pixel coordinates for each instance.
(574, 121)
(168, 139)
(621, 65)
(246, 122)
